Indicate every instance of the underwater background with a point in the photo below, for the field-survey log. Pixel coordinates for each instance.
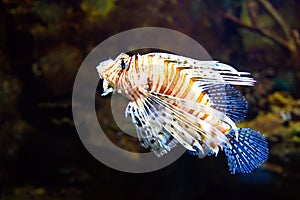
(42, 44)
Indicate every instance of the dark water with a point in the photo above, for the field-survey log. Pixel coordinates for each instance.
(42, 46)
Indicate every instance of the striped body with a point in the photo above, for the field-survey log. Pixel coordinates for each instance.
(178, 99)
(170, 75)
(157, 73)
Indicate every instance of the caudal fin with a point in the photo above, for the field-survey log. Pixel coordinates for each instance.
(246, 153)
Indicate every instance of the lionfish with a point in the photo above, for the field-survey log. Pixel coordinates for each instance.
(175, 99)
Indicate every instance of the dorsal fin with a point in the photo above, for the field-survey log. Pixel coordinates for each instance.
(228, 100)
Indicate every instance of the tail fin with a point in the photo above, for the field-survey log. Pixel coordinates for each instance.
(246, 153)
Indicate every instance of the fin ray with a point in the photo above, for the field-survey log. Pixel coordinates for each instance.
(228, 100)
(209, 71)
(247, 153)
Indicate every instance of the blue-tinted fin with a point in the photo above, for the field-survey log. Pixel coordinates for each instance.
(206, 151)
(197, 151)
(228, 100)
(248, 152)
(211, 153)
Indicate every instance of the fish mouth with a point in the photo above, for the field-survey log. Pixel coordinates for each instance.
(102, 66)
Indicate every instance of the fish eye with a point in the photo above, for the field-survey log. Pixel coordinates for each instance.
(122, 65)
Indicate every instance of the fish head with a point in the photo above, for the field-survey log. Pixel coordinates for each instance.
(113, 67)
(103, 67)
(108, 70)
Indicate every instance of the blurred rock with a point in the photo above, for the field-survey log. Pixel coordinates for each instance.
(56, 70)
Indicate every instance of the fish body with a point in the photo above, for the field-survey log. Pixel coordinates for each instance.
(175, 99)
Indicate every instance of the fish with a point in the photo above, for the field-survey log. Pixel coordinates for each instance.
(176, 100)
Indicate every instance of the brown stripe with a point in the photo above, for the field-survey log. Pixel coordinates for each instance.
(206, 102)
(199, 99)
(157, 84)
(204, 116)
(127, 68)
(191, 111)
(150, 85)
(175, 81)
(169, 81)
(114, 74)
(137, 65)
(181, 84)
(150, 71)
(165, 77)
(188, 89)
